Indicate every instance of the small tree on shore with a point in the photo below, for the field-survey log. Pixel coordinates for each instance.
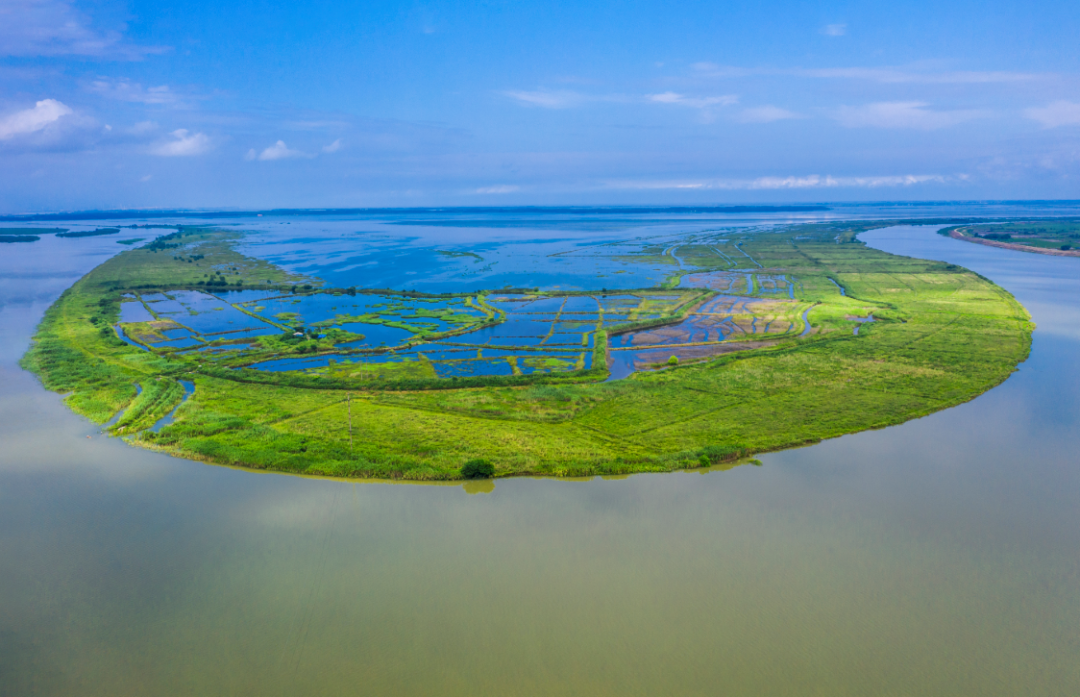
(478, 469)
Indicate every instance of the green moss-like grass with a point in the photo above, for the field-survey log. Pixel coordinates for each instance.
(942, 335)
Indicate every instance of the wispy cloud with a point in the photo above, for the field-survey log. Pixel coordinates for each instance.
(37, 118)
(498, 189)
(765, 114)
(566, 99)
(913, 115)
(126, 91)
(183, 144)
(888, 75)
(1055, 114)
(317, 124)
(896, 75)
(694, 102)
(333, 147)
(706, 106)
(57, 28)
(548, 99)
(277, 151)
(813, 181)
(834, 29)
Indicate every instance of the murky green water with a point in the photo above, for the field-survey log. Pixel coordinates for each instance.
(940, 557)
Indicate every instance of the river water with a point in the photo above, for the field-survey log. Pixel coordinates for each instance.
(937, 557)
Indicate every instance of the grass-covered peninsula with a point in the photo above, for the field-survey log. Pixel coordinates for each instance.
(758, 340)
(1058, 237)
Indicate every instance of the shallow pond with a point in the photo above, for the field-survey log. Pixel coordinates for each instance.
(375, 335)
(939, 557)
(207, 314)
(461, 369)
(134, 311)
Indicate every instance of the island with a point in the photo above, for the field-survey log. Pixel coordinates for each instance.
(758, 340)
(1056, 237)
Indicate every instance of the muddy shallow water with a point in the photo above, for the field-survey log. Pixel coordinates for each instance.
(937, 557)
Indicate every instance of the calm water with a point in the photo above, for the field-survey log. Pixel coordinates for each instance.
(938, 557)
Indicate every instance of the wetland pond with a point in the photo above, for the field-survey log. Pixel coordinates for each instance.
(938, 557)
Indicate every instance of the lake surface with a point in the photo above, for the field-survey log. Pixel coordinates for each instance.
(937, 557)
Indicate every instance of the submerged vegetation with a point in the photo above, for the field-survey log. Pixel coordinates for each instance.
(89, 233)
(756, 341)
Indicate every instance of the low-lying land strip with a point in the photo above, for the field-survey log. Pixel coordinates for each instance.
(1060, 238)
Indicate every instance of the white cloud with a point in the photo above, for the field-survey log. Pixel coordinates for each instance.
(183, 144)
(813, 181)
(277, 151)
(546, 98)
(40, 116)
(127, 91)
(834, 29)
(888, 75)
(901, 115)
(56, 28)
(1054, 114)
(765, 114)
(333, 147)
(566, 99)
(694, 102)
(499, 189)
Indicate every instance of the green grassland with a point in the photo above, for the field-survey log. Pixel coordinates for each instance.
(1063, 235)
(941, 335)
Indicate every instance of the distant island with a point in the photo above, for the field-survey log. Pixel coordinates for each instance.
(34, 234)
(757, 340)
(1056, 237)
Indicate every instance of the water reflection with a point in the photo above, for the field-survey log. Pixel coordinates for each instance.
(938, 557)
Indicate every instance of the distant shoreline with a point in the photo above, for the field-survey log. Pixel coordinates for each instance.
(595, 210)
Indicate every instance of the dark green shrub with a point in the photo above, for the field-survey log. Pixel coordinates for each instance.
(720, 453)
(478, 469)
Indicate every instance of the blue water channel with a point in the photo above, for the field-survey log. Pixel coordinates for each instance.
(189, 389)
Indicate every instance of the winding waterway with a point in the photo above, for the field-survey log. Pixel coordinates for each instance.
(938, 557)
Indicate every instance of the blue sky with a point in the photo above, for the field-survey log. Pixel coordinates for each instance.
(108, 104)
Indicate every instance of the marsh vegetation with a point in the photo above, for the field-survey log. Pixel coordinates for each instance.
(757, 340)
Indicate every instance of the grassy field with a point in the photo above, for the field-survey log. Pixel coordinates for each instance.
(940, 335)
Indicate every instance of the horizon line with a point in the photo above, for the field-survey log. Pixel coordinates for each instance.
(106, 214)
